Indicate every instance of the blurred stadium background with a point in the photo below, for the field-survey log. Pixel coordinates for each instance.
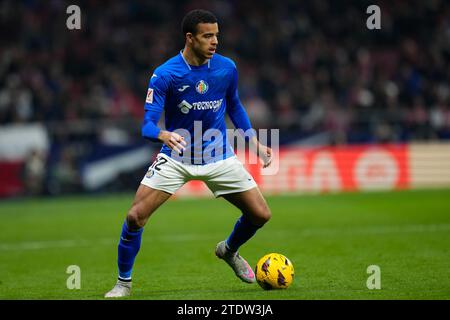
(357, 109)
(71, 101)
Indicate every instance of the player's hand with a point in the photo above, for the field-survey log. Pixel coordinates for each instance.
(173, 140)
(265, 154)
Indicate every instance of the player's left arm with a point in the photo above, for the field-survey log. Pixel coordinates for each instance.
(240, 119)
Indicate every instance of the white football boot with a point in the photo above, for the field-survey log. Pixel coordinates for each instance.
(240, 267)
(121, 289)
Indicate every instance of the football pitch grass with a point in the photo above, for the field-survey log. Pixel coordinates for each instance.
(331, 240)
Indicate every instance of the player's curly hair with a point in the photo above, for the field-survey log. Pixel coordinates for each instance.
(194, 17)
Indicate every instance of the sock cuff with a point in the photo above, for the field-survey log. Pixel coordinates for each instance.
(228, 247)
(131, 232)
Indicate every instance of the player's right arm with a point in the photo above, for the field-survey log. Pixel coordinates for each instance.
(154, 105)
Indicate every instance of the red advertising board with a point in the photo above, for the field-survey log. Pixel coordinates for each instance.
(11, 178)
(342, 168)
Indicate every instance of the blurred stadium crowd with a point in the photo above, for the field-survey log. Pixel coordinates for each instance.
(305, 67)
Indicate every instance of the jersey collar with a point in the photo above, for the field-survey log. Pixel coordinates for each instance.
(187, 64)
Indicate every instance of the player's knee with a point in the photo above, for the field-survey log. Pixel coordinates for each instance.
(135, 219)
(266, 214)
(263, 216)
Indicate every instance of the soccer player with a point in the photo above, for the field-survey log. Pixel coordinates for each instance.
(196, 87)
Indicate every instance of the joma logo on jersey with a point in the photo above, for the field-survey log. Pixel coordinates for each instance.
(202, 105)
(201, 87)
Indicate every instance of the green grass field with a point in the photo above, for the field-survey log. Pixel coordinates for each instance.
(331, 240)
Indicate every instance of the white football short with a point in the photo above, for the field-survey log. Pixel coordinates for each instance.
(221, 177)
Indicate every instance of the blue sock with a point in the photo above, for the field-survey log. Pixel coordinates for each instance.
(129, 244)
(243, 230)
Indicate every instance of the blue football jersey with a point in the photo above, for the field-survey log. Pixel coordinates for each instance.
(195, 100)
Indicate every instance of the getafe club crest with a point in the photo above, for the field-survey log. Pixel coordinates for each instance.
(201, 87)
